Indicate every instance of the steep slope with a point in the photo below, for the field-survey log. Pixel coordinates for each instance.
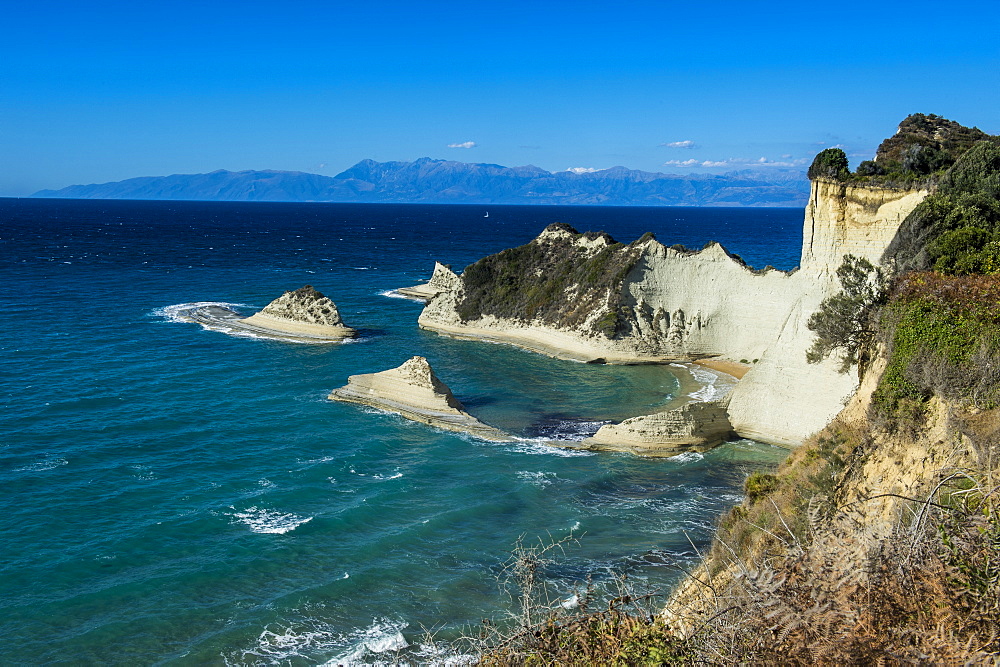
(880, 538)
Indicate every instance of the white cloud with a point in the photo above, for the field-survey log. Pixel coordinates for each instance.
(464, 144)
(582, 170)
(736, 162)
(767, 162)
(687, 143)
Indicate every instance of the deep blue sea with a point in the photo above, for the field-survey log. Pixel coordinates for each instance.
(174, 495)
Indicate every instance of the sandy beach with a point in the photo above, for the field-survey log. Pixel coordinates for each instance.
(734, 368)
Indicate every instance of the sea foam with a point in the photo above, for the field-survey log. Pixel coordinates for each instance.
(381, 637)
(178, 311)
(263, 520)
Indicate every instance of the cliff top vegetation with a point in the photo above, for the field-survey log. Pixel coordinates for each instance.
(923, 148)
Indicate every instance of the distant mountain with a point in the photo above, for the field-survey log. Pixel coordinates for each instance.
(448, 182)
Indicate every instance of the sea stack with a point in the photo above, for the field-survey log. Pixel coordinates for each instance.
(415, 392)
(304, 313)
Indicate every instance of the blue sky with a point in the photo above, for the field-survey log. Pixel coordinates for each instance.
(102, 91)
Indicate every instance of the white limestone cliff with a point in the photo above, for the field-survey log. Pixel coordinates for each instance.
(682, 306)
(784, 399)
(843, 219)
(413, 391)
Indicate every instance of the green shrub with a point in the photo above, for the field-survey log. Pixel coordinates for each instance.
(952, 230)
(829, 163)
(942, 335)
(759, 484)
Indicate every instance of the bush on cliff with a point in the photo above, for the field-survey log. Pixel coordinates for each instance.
(923, 148)
(926, 143)
(845, 322)
(830, 163)
(942, 336)
(956, 230)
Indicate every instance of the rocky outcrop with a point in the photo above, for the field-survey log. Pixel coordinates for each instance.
(415, 392)
(692, 427)
(861, 487)
(658, 303)
(300, 316)
(303, 312)
(442, 280)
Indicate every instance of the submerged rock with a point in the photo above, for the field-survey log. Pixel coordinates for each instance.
(415, 392)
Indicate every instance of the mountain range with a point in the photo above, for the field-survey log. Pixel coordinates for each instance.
(433, 181)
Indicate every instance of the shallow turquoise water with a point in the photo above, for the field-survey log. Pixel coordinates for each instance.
(172, 494)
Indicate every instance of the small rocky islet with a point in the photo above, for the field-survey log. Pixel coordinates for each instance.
(415, 392)
(304, 315)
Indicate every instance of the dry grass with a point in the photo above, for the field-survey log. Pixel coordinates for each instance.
(798, 578)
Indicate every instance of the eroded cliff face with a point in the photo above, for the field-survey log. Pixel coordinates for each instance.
(669, 305)
(843, 219)
(678, 305)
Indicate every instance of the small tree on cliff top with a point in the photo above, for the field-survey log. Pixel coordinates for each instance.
(846, 321)
(829, 163)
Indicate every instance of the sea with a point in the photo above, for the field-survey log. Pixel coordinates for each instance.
(170, 494)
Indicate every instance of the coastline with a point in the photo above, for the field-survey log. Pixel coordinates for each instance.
(700, 403)
(550, 343)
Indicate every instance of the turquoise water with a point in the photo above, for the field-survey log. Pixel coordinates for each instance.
(178, 495)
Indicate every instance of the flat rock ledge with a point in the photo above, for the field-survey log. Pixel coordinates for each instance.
(413, 391)
(692, 427)
(303, 313)
(442, 280)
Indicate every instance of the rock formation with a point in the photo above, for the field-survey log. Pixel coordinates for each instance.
(304, 313)
(442, 280)
(694, 426)
(586, 297)
(415, 392)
